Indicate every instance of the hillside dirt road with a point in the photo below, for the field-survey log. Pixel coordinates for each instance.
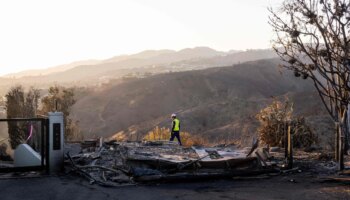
(295, 186)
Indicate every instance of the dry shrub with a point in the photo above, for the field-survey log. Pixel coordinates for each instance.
(194, 140)
(186, 138)
(274, 120)
(303, 136)
(75, 132)
(119, 137)
(158, 134)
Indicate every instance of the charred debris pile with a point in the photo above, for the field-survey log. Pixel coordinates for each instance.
(129, 163)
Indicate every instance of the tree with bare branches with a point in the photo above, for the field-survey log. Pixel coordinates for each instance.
(312, 39)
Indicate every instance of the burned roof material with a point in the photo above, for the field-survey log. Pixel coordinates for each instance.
(129, 163)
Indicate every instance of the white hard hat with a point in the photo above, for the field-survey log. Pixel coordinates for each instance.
(173, 115)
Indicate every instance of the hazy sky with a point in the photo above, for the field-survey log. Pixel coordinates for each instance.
(45, 33)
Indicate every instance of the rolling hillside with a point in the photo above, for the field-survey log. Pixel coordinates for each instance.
(218, 103)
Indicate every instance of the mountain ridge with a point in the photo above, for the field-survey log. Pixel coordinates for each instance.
(141, 65)
(146, 54)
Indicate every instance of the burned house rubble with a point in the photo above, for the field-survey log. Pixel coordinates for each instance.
(129, 163)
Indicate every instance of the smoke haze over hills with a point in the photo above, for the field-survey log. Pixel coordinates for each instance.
(93, 72)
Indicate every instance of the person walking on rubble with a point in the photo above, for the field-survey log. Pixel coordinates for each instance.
(175, 129)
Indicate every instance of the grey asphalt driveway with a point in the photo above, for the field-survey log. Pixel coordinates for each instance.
(75, 188)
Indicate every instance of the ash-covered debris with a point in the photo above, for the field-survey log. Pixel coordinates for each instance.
(129, 163)
(102, 165)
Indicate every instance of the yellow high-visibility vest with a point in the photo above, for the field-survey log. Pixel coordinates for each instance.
(177, 125)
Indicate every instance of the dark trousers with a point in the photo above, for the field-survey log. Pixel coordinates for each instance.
(177, 135)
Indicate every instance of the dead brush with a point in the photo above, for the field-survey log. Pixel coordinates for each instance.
(274, 121)
(158, 134)
(195, 140)
(187, 139)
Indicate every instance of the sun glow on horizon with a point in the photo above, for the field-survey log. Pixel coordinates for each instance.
(41, 33)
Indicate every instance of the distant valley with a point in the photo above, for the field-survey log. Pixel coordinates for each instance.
(216, 94)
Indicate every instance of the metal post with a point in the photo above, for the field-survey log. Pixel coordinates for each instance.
(290, 148)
